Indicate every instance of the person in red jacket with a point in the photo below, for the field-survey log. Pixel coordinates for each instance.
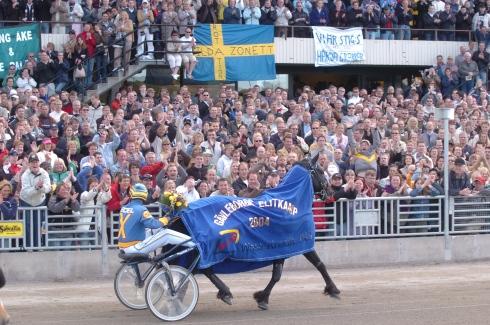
(89, 37)
(152, 167)
(3, 151)
(120, 197)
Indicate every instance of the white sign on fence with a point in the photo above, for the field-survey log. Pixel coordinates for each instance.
(335, 47)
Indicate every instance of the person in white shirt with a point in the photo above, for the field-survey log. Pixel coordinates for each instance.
(188, 189)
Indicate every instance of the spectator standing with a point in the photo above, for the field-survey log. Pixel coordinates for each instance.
(481, 18)
(145, 19)
(75, 14)
(482, 58)
(405, 16)
(35, 186)
(299, 20)
(319, 15)
(355, 17)
(463, 23)
(251, 14)
(43, 14)
(447, 24)
(97, 194)
(431, 22)
(267, 14)
(59, 15)
(283, 15)
(468, 70)
(371, 22)
(66, 204)
(388, 20)
(45, 73)
(89, 12)
(232, 14)
(338, 17)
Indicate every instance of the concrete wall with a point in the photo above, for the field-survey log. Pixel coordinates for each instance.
(66, 266)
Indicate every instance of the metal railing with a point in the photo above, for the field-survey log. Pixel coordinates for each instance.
(363, 218)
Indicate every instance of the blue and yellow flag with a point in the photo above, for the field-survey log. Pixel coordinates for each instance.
(235, 53)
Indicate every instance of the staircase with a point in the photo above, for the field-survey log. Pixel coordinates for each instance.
(117, 78)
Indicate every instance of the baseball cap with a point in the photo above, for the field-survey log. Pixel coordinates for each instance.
(53, 127)
(13, 152)
(459, 161)
(235, 134)
(336, 175)
(187, 121)
(47, 141)
(175, 100)
(33, 157)
(480, 179)
(364, 140)
(146, 176)
(87, 164)
(274, 172)
(13, 92)
(14, 96)
(144, 1)
(207, 152)
(386, 8)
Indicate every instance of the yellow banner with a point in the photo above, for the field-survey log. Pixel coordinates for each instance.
(11, 229)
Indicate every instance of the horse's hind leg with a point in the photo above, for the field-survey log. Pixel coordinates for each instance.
(331, 288)
(262, 297)
(224, 292)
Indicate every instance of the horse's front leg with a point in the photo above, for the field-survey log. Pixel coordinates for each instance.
(262, 297)
(330, 288)
(224, 292)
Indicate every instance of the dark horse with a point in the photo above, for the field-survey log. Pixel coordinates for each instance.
(262, 297)
(320, 187)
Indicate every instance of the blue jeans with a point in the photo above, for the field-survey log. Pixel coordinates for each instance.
(32, 225)
(483, 76)
(45, 28)
(429, 36)
(446, 37)
(89, 69)
(59, 87)
(403, 33)
(388, 35)
(79, 82)
(467, 85)
(63, 243)
(462, 38)
(370, 34)
(90, 241)
(100, 62)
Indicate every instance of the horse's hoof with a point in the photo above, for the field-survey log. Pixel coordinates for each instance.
(332, 291)
(263, 305)
(228, 298)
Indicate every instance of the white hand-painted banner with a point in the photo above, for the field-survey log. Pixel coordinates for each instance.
(335, 47)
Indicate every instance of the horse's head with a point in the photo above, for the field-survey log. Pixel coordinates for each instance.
(4, 316)
(317, 175)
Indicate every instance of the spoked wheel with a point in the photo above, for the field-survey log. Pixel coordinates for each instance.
(160, 300)
(129, 291)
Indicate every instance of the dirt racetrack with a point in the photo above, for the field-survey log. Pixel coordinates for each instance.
(453, 293)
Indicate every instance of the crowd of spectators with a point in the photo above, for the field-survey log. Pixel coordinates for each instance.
(106, 36)
(59, 152)
(453, 19)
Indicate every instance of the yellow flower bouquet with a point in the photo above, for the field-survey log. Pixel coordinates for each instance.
(172, 201)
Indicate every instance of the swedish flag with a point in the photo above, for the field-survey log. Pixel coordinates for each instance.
(235, 53)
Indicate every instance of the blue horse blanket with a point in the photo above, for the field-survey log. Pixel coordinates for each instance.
(240, 234)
